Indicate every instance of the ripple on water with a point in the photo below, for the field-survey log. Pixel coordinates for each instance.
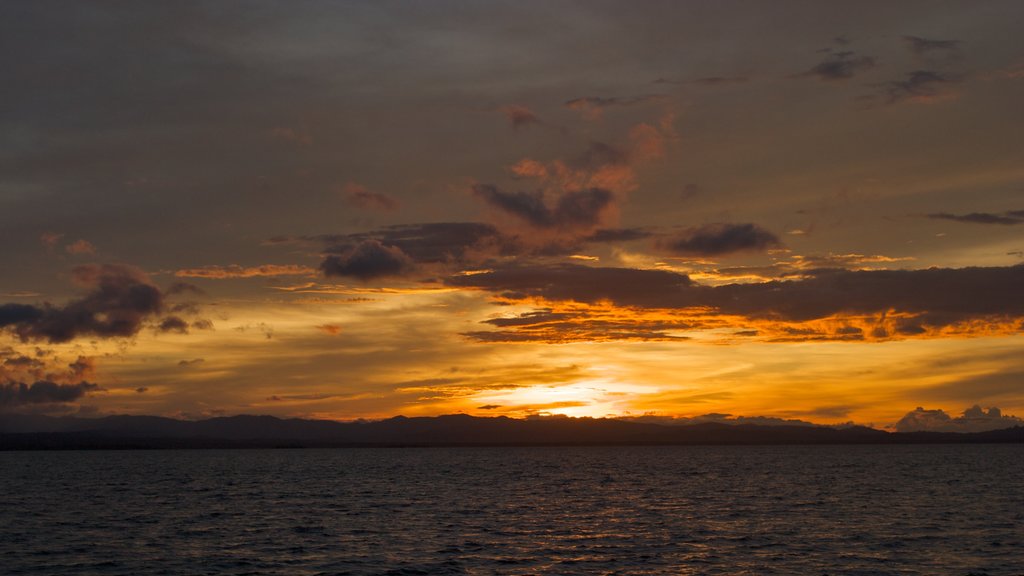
(654, 510)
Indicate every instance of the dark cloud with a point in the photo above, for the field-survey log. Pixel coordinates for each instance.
(573, 282)
(581, 209)
(173, 324)
(716, 417)
(919, 86)
(552, 327)
(82, 368)
(231, 271)
(719, 239)
(362, 197)
(202, 324)
(1007, 218)
(15, 394)
(974, 419)
(519, 116)
(923, 46)
(192, 362)
(840, 66)
(601, 154)
(941, 296)
(618, 235)
(937, 296)
(799, 265)
(489, 407)
(368, 260)
(183, 288)
(120, 300)
(22, 362)
(474, 243)
(15, 314)
(437, 242)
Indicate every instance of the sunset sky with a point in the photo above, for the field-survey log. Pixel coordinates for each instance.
(800, 210)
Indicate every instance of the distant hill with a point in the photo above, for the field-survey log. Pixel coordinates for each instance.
(22, 432)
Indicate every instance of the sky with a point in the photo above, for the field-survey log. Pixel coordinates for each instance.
(790, 210)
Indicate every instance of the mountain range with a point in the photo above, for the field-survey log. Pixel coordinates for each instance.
(114, 432)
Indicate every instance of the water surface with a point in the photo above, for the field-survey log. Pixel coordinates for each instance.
(585, 510)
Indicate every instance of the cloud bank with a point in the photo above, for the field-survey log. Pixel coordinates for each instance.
(120, 299)
(974, 419)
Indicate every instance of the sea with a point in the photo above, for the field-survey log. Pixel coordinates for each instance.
(755, 510)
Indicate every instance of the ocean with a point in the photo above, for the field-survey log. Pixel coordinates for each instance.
(757, 510)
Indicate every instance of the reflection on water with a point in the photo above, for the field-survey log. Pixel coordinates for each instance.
(621, 510)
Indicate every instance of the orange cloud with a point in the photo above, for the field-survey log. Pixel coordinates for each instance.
(49, 240)
(236, 271)
(519, 116)
(80, 247)
(332, 329)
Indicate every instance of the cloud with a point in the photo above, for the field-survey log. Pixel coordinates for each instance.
(173, 324)
(974, 419)
(468, 383)
(618, 235)
(574, 282)
(332, 329)
(824, 304)
(707, 81)
(459, 244)
(428, 243)
(368, 260)
(840, 66)
(183, 288)
(202, 324)
(362, 197)
(82, 368)
(1011, 73)
(719, 239)
(49, 240)
(577, 210)
(519, 116)
(17, 394)
(593, 106)
(919, 87)
(600, 154)
(17, 367)
(190, 363)
(799, 265)
(120, 300)
(236, 271)
(306, 397)
(1007, 218)
(923, 46)
(80, 247)
(717, 418)
(601, 165)
(581, 324)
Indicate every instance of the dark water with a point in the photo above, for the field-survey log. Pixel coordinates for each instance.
(652, 510)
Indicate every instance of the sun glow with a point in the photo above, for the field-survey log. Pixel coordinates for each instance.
(596, 397)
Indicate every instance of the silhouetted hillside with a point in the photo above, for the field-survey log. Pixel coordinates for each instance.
(42, 432)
